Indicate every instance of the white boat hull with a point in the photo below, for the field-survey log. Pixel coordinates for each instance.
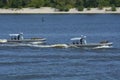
(25, 41)
(92, 45)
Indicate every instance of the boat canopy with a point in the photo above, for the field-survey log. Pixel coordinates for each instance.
(76, 38)
(14, 34)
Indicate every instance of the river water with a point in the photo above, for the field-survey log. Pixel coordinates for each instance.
(36, 63)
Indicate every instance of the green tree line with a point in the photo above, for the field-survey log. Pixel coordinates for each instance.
(62, 5)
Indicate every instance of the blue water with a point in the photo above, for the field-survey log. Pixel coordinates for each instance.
(35, 63)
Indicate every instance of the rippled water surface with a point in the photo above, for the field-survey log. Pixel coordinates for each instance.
(36, 63)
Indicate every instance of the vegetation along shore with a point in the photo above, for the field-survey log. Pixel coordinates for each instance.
(59, 6)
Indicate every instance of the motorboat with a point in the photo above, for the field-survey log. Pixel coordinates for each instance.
(80, 42)
(18, 38)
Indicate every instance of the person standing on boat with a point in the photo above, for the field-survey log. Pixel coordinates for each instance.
(83, 40)
(18, 37)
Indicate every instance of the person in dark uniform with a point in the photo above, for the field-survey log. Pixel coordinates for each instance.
(19, 37)
(81, 41)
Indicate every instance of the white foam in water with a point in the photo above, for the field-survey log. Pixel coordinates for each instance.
(12, 45)
(60, 46)
(50, 46)
(102, 47)
(41, 46)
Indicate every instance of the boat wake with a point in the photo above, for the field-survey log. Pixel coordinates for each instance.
(50, 46)
(103, 47)
(35, 45)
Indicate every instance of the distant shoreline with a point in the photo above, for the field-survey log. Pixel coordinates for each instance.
(49, 10)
